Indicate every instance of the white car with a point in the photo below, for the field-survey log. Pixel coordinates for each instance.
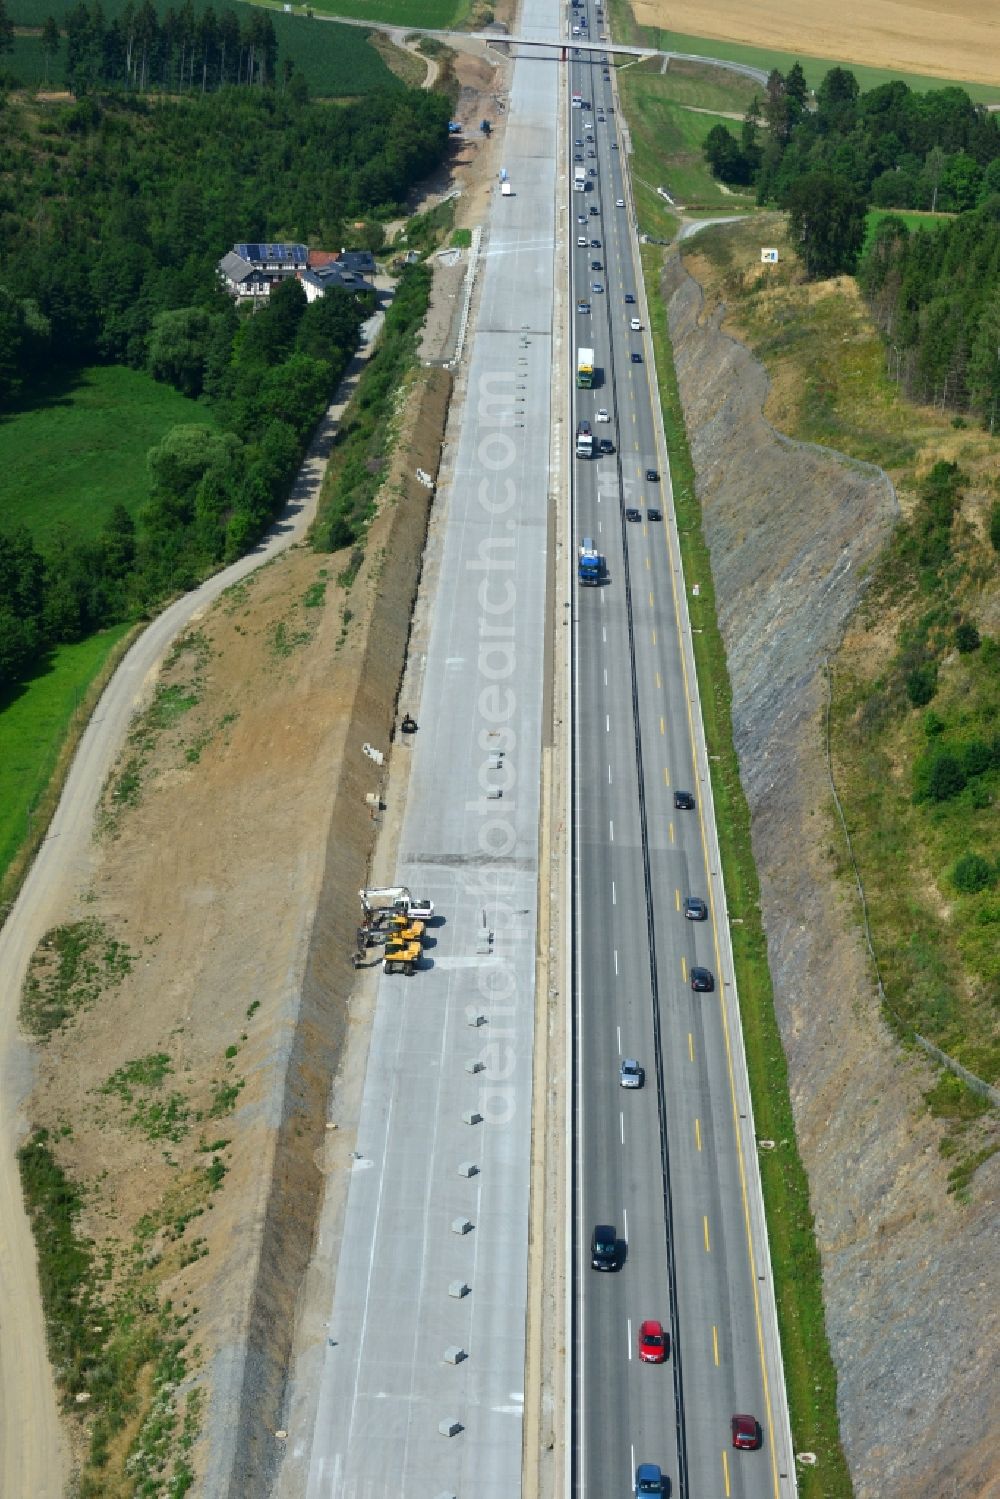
(581, 241)
(619, 202)
(635, 325)
(602, 415)
(631, 1074)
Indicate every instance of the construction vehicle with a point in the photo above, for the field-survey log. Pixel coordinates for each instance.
(381, 902)
(401, 957)
(404, 929)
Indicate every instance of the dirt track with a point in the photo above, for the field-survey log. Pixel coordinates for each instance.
(957, 39)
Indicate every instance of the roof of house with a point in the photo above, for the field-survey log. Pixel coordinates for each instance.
(235, 267)
(291, 256)
(325, 276)
(321, 257)
(360, 261)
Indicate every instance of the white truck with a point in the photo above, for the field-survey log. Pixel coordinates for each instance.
(506, 191)
(394, 900)
(584, 441)
(580, 179)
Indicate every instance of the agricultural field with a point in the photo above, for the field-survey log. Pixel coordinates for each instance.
(947, 39)
(911, 218)
(433, 15)
(80, 449)
(337, 62)
(33, 725)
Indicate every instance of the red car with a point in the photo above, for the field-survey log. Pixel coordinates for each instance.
(746, 1432)
(653, 1343)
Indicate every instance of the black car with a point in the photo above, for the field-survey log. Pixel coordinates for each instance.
(629, 299)
(695, 909)
(652, 477)
(653, 514)
(605, 445)
(631, 513)
(595, 244)
(702, 981)
(683, 801)
(636, 358)
(604, 1247)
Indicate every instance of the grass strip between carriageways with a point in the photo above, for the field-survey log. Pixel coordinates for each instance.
(810, 1375)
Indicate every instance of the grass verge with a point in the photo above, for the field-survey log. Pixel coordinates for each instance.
(667, 138)
(365, 438)
(810, 1375)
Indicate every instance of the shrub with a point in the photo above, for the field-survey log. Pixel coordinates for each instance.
(995, 526)
(976, 758)
(921, 684)
(937, 777)
(972, 873)
(967, 638)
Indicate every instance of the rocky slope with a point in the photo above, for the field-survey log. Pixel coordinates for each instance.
(909, 1271)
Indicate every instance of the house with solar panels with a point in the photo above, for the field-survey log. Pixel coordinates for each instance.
(251, 271)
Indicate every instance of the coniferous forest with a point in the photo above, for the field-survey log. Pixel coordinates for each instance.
(114, 213)
(828, 159)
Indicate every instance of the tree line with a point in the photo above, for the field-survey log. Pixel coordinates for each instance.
(110, 255)
(895, 148)
(935, 294)
(185, 50)
(215, 485)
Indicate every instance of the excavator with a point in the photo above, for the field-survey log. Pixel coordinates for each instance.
(401, 956)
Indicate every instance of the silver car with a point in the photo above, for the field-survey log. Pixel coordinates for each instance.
(631, 1075)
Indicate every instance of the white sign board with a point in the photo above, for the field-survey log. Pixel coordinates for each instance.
(769, 257)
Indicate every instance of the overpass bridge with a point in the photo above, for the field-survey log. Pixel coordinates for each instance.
(579, 46)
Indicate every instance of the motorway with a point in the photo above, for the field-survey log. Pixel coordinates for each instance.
(665, 1165)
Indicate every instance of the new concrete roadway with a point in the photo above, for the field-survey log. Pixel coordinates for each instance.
(671, 1166)
(422, 1385)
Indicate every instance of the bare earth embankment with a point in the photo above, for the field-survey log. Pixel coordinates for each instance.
(909, 1269)
(189, 1097)
(945, 38)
